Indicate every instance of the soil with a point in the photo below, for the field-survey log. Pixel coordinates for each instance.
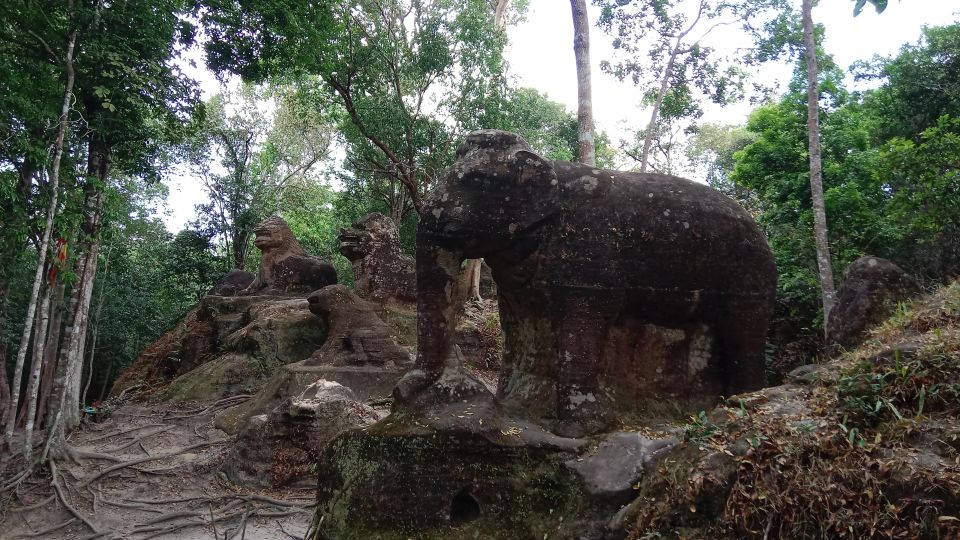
(166, 484)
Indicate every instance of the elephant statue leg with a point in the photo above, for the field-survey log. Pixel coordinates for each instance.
(742, 333)
(583, 406)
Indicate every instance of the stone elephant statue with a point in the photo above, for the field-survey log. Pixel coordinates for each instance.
(614, 287)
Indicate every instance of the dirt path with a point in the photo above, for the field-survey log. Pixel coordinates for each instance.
(151, 472)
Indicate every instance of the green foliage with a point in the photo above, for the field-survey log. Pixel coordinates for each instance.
(409, 78)
(920, 84)
(248, 159)
(315, 214)
(699, 429)
(924, 178)
(663, 42)
(879, 5)
(889, 171)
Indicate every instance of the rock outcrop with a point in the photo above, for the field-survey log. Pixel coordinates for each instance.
(358, 354)
(227, 345)
(284, 266)
(381, 271)
(237, 336)
(870, 291)
(233, 283)
(278, 448)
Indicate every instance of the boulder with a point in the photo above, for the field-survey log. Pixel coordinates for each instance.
(611, 470)
(232, 283)
(278, 448)
(871, 289)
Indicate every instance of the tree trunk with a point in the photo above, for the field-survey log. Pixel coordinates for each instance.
(816, 179)
(50, 353)
(4, 385)
(105, 383)
(652, 126)
(76, 334)
(53, 186)
(470, 281)
(96, 322)
(35, 360)
(500, 14)
(581, 50)
(34, 385)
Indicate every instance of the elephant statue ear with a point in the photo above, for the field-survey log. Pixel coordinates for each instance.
(532, 169)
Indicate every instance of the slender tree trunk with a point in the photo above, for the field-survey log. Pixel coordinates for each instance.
(53, 185)
(4, 385)
(34, 386)
(661, 94)
(581, 51)
(96, 322)
(816, 179)
(105, 385)
(50, 353)
(35, 359)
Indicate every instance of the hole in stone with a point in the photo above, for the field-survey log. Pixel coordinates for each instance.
(347, 345)
(464, 508)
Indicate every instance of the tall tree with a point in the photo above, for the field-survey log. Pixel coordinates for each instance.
(58, 150)
(247, 157)
(409, 77)
(672, 34)
(581, 51)
(824, 265)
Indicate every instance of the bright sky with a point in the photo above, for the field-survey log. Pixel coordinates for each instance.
(540, 56)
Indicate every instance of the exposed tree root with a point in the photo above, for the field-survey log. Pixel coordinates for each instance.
(78, 487)
(48, 530)
(63, 500)
(284, 531)
(130, 505)
(34, 506)
(219, 404)
(197, 519)
(132, 462)
(141, 438)
(124, 432)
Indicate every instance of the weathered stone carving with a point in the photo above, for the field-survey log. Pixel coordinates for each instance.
(284, 266)
(356, 336)
(871, 288)
(612, 286)
(381, 271)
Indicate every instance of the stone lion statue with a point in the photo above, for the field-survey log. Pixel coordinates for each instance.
(284, 265)
(381, 270)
